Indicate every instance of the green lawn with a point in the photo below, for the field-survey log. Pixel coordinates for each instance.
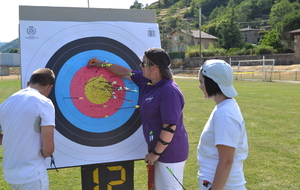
(271, 111)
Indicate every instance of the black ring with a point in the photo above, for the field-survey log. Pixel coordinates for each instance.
(67, 129)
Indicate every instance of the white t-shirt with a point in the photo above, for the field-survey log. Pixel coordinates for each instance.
(225, 126)
(21, 116)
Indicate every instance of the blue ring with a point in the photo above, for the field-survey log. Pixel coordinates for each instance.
(68, 109)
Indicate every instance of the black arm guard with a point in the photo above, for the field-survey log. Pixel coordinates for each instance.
(163, 142)
(168, 128)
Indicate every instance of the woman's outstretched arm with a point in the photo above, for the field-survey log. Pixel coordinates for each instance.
(114, 68)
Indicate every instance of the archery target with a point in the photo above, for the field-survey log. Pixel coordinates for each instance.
(97, 119)
(96, 108)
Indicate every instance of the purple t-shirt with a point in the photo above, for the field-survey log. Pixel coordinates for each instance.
(160, 104)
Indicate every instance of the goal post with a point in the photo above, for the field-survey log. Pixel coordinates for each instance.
(258, 69)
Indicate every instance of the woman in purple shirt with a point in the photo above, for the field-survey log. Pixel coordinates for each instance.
(161, 103)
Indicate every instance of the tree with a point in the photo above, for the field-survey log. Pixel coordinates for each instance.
(290, 22)
(284, 17)
(229, 33)
(185, 37)
(161, 4)
(217, 12)
(166, 42)
(136, 5)
(265, 6)
(172, 22)
(15, 50)
(244, 10)
(210, 5)
(279, 10)
(271, 39)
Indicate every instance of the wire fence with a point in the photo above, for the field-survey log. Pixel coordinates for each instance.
(275, 75)
(10, 73)
(264, 75)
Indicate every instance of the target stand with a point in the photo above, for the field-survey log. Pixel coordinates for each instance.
(98, 125)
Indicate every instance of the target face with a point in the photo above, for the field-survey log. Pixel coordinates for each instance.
(97, 119)
(95, 107)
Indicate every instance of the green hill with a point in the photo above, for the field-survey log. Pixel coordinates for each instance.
(9, 47)
(222, 18)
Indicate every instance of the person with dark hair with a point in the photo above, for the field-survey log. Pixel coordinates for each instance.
(223, 144)
(27, 121)
(161, 103)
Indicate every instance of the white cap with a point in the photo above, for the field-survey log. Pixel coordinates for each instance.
(222, 73)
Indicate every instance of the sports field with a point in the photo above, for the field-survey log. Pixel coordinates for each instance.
(271, 112)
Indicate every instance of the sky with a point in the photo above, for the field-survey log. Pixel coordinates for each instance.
(9, 11)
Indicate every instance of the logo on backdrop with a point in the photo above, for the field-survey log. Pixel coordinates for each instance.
(31, 30)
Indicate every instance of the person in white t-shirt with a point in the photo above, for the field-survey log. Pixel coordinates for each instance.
(27, 121)
(223, 144)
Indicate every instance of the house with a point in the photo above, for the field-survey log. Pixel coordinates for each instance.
(251, 35)
(296, 34)
(183, 38)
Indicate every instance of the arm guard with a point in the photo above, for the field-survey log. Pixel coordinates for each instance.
(168, 128)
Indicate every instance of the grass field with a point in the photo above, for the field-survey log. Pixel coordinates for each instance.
(271, 111)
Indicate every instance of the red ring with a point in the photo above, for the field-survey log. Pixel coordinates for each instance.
(79, 96)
